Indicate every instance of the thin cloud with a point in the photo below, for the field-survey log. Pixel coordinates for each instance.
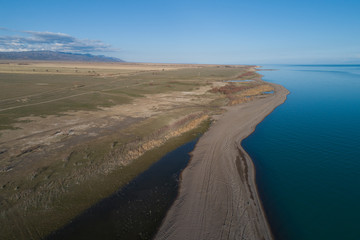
(41, 41)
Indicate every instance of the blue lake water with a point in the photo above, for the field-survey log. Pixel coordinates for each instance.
(307, 154)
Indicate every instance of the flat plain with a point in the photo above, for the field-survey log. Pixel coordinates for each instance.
(73, 133)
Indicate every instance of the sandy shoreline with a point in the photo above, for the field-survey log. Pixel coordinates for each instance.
(218, 197)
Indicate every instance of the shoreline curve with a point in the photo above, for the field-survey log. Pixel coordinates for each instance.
(218, 197)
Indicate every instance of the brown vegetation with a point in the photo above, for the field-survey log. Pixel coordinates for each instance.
(229, 89)
(237, 94)
(67, 140)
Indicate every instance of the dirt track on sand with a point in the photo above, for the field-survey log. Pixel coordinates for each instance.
(218, 198)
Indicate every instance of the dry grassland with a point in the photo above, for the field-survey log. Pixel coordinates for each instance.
(73, 133)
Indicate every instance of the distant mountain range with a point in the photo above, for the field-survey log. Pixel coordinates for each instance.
(56, 56)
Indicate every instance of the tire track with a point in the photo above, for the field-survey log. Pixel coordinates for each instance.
(218, 197)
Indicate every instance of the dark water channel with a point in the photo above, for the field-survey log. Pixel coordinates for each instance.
(137, 210)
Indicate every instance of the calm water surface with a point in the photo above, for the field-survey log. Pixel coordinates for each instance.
(136, 210)
(307, 154)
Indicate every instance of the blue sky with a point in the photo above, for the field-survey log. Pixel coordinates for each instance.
(227, 31)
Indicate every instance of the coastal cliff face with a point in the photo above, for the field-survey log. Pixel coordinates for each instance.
(218, 197)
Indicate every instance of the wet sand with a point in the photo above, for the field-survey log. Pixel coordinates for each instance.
(218, 197)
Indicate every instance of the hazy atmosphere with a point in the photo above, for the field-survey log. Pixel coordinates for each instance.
(220, 32)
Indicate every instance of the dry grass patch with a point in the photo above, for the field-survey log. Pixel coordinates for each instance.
(238, 93)
(71, 137)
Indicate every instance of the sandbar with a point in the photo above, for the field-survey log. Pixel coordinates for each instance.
(218, 198)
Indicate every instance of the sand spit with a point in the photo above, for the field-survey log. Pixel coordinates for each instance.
(218, 198)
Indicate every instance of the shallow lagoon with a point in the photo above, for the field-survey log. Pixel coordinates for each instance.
(136, 210)
(307, 153)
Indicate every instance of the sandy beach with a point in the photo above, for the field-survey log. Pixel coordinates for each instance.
(218, 197)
